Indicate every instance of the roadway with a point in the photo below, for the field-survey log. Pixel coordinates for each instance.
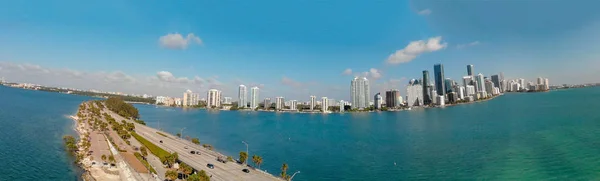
(222, 171)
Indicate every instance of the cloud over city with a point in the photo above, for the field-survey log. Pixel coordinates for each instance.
(177, 41)
(424, 12)
(416, 48)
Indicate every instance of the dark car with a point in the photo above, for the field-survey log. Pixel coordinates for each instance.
(160, 141)
(198, 152)
(221, 160)
(211, 166)
(246, 170)
(193, 152)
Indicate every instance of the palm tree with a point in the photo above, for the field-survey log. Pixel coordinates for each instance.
(243, 156)
(144, 151)
(103, 157)
(111, 159)
(257, 160)
(284, 168)
(171, 174)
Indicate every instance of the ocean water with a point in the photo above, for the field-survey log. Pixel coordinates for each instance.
(520, 136)
(32, 124)
(536, 136)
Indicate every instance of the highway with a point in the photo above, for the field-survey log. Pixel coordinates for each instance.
(222, 171)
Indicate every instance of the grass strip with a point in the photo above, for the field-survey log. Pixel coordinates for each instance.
(162, 134)
(157, 151)
(139, 157)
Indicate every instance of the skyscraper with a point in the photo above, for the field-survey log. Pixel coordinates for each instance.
(279, 103)
(293, 104)
(213, 98)
(254, 97)
(470, 70)
(438, 71)
(378, 101)
(359, 92)
(324, 104)
(414, 93)
(267, 103)
(480, 83)
(242, 97)
(313, 102)
(189, 98)
(392, 98)
(448, 83)
(467, 80)
(426, 94)
(226, 100)
(496, 81)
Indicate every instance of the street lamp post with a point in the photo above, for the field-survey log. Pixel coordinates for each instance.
(294, 175)
(181, 133)
(247, 153)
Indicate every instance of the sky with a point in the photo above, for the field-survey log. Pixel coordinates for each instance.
(292, 49)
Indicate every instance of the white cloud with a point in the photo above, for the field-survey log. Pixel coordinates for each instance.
(372, 74)
(177, 41)
(459, 46)
(424, 12)
(415, 48)
(347, 72)
(166, 76)
(290, 82)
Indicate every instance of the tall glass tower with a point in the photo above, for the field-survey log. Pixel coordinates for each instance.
(438, 71)
(470, 70)
(425, 84)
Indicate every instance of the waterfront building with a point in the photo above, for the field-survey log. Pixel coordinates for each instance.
(470, 71)
(178, 102)
(489, 87)
(267, 103)
(313, 102)
(213, 98)
(547, 86)
(226, 100)
(360, 92)
(448, 83)
(440, 100)
(480, 83)
(496, 81)
(438, 71)
(324, 104)
(433, 93)
(467, 80)
(470, 90)
(378, 100)
(293, 104)
(190, 98)
(515, 86)
(254, 97)
(426, 92)
(452, 97)
(540, 81)
(391, 98)
(469, 99)
(414, 93)
(461, 92)
(161, 99)
(342, 104)
(496, 91)
(522, 82)
(242, 97)
(279, 103)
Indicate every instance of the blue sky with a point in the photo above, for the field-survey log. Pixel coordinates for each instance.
(291, 48)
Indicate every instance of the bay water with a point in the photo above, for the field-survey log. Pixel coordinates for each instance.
(518, 136)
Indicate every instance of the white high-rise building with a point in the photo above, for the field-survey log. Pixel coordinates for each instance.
(414, 93)
(467, 80)
(279, 103)
(324, 104)
(313, 102)
(470, 90)
(226, 100)
(293, 104)
(480, 83)
(213, 98)
(540, 81)
(440, 100)
(190, 98)
(378, 99)
(161, 99)
(267, 103)
(254, 97)
(342, 104)
(242, 97)
(178, 101)
(546, 84)
(522, 82)
(461, 92)
(489, 87)
(360, 93)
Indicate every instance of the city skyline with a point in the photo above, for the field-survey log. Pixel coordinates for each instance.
(167, 52)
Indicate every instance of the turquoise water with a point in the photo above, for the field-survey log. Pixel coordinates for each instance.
(540, 136)
(32, 124)
(535, 136)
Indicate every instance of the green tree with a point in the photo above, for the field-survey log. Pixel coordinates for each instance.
(257, 160)
(103, 157)
(284, 169)
(111, 159)
(229, 158)
(186, 169)
(171, 174)
(196, 141)
(178, 135)
(200, 176)
(144, 151)
(243, 156)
